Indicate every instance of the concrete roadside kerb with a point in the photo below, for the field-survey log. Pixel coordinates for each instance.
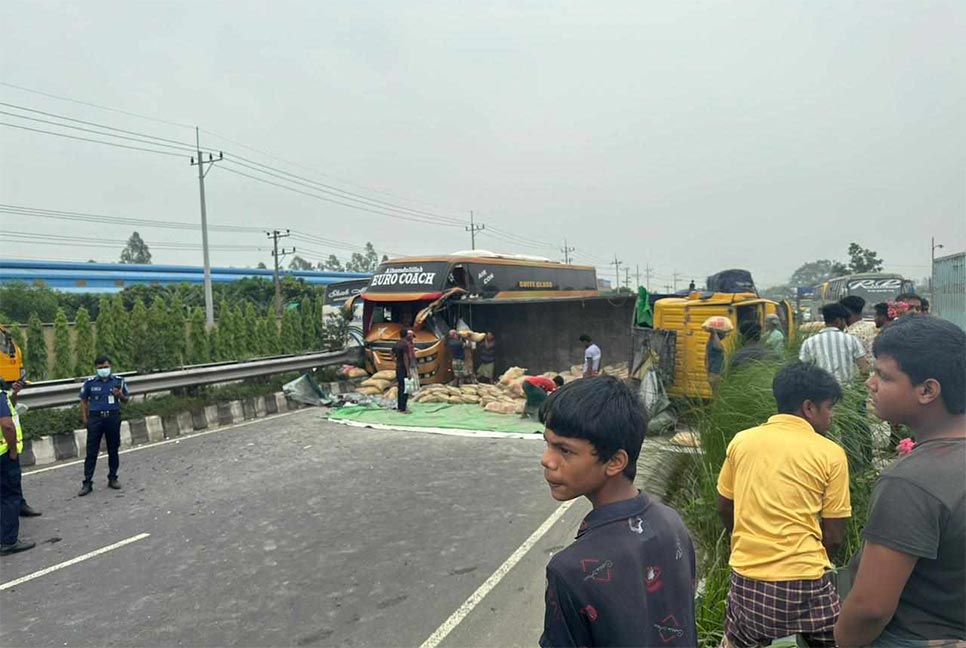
(152, 429)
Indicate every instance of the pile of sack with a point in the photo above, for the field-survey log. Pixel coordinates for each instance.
(504, 397)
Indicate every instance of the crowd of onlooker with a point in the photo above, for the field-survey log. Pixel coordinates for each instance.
(784, 498)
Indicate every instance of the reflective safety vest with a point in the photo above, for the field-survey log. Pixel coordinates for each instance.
(16, 421)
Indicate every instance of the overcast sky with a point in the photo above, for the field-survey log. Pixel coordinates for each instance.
(690, 136)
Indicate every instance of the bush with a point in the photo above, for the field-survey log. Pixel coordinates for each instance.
(63, 347)
(84, 346)
(35, 359)
(198, 352)
(745, 400)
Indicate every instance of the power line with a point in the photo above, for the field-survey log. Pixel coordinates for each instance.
(337, 202)
(324, 175)
(88, 139)
(93, 105)
(182, 145)
(335, 191)
(17, 210)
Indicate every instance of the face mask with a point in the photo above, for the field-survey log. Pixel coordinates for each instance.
(103, 372)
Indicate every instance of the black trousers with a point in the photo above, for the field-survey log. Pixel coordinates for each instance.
(11, 495)
(108, 427)
(401, 396)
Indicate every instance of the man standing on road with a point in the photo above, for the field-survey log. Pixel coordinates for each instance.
(101, 397)
(591, 357)
(13, 392)
(833, 349)
(403, 355)
(11, 492)
(783, 525)
(909, 579)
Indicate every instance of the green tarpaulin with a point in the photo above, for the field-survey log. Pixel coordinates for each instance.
(439, 416)
(643, 316)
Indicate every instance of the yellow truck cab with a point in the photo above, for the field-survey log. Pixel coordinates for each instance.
(684, 316)
(11, 358)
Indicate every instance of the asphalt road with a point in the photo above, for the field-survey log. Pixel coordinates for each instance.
(289, 531)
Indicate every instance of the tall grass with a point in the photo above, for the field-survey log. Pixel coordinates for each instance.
(745, 400)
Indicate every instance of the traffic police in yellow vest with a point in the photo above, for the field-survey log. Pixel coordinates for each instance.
(11, 492)
(101, 397)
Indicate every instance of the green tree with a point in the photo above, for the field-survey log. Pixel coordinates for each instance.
(815, 272)
(367, 261)
(268, 338)
(163, 350)
(20, 300)
(136, 250)
(35, 361)
(225, 348)
(298, 263)
(291, 331)
(123, 335)
(106, 339)
(63, 347)
(863, 260)
(176, 328)
(84, 345)
(249, 331)
(311, 337)
(332, 263)
(214, 344)
(144, 336)
(197, 338)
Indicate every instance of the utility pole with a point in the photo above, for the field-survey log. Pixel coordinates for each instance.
(473, 229)
(617, 270)
(202, 172)
(637, 274)
(674, 276)
(275, 235)
(566, 252)
(627, 277)
(647, 276)
(932, 267)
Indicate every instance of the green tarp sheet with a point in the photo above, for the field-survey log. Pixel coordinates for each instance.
(439, 416)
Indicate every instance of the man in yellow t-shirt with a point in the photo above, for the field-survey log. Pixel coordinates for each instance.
(783, 494)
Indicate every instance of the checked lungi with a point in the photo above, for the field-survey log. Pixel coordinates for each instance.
(758, 612)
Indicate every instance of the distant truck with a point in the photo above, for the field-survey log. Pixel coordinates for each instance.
(11, 358)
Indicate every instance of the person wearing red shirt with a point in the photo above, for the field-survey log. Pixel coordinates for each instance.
(536, 388)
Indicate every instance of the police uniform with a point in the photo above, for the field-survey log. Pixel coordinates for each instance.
(11, 493)
(103, 420)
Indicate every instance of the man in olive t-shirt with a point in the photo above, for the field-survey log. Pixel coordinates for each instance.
(910, 579)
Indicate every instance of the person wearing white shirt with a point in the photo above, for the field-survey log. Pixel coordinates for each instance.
(591, 356)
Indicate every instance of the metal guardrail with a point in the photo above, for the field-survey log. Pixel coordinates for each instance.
(60, 394)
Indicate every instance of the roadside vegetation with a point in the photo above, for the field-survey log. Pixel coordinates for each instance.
(745, 400)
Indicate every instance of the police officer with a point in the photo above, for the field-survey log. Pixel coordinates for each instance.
(101, 398)
(11, 492)
(13, 391)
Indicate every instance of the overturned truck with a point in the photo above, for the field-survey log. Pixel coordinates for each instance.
(536, 308)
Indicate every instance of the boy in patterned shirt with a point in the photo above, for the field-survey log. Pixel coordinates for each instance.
(628, 580)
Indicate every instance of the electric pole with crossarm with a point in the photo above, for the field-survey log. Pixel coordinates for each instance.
(277, 255)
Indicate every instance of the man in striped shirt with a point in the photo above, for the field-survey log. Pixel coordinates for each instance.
(833, 349)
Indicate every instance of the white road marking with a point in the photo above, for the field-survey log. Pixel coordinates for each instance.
(476, 597)
(148, 446)
(73, 561)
